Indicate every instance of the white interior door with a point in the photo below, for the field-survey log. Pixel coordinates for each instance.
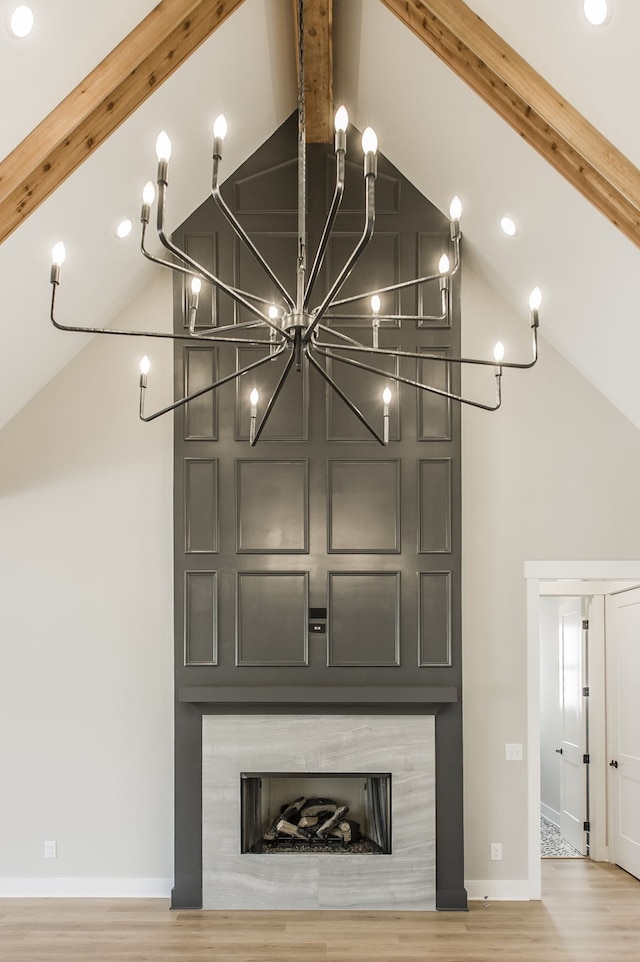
(624, 633)
(573, 778)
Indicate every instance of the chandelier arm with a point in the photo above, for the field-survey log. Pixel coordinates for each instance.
(367, 234)
(386, 317)
(425, 356)
(159, 260)
(273, 398)
(340, 334)
(112, 330)
(242, 341)
(307, 350)
(184, 257)
(326, 233)
(189, 273)
(418, 384)
(244, 325)
(401, 285)
(205, 390)
(244, 237)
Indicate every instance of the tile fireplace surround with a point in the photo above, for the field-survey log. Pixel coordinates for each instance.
(403, 745)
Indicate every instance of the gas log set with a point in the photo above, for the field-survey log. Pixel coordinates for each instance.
(313, 822)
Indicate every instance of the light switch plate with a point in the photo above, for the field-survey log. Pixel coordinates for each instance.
(513, 752)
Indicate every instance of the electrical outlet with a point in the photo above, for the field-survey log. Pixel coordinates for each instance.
(50, 850)
(513, 753)
(496, 851)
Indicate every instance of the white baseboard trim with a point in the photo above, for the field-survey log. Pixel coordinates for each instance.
(550, 813)
(86, 888)
(500, 890)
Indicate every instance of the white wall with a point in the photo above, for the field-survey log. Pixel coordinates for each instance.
(552, 475)
(86, 609)
(550, 714)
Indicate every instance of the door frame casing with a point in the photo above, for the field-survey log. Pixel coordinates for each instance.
(536, 573)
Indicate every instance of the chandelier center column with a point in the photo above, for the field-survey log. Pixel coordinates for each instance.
(301, 266)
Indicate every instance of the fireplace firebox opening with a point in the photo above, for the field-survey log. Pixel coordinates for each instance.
(320, 813)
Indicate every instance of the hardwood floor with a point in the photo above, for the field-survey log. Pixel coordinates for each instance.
(589, 911)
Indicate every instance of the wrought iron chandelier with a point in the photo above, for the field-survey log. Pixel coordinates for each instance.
(293, 331)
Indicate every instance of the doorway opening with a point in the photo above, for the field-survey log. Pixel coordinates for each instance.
(594, 583)
(564, 727)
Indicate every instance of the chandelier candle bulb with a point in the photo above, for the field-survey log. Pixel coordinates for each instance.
(341, 123)
(144, 370)
(535, 300)
(148, 197)
(254, 397)
(148, 193)
(375, 320)
(370, 148)
(455, 208)
(163, 153)
(386, 400)
(194, 296)
(444, 266)
(455, 211)
(219, 133)
(58, 255)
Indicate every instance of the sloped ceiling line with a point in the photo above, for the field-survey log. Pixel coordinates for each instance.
(530, 105)
(104, 100)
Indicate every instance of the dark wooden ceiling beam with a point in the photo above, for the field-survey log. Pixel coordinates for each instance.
(106, 98)
(530, 105)
(318, 68)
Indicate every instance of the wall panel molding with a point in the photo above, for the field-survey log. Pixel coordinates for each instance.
(201, 415)
(434, 634)
(363, 619)
(363, 507)
(201, 522)
(200, 618)
(272, 617)
(272, 506)
(434, 412)
(434, 505)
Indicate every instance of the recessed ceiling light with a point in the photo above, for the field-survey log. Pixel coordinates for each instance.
(21, 21)
(508, 226)
(124, 228)
(596, 11)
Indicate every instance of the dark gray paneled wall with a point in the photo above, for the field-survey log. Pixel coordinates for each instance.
(318, 516)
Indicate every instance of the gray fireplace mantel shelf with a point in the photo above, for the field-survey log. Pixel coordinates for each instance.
(405, 696)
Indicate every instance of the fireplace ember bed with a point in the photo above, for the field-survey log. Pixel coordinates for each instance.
(317, 813)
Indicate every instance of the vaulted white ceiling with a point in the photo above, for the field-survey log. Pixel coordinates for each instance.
(444, 138)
